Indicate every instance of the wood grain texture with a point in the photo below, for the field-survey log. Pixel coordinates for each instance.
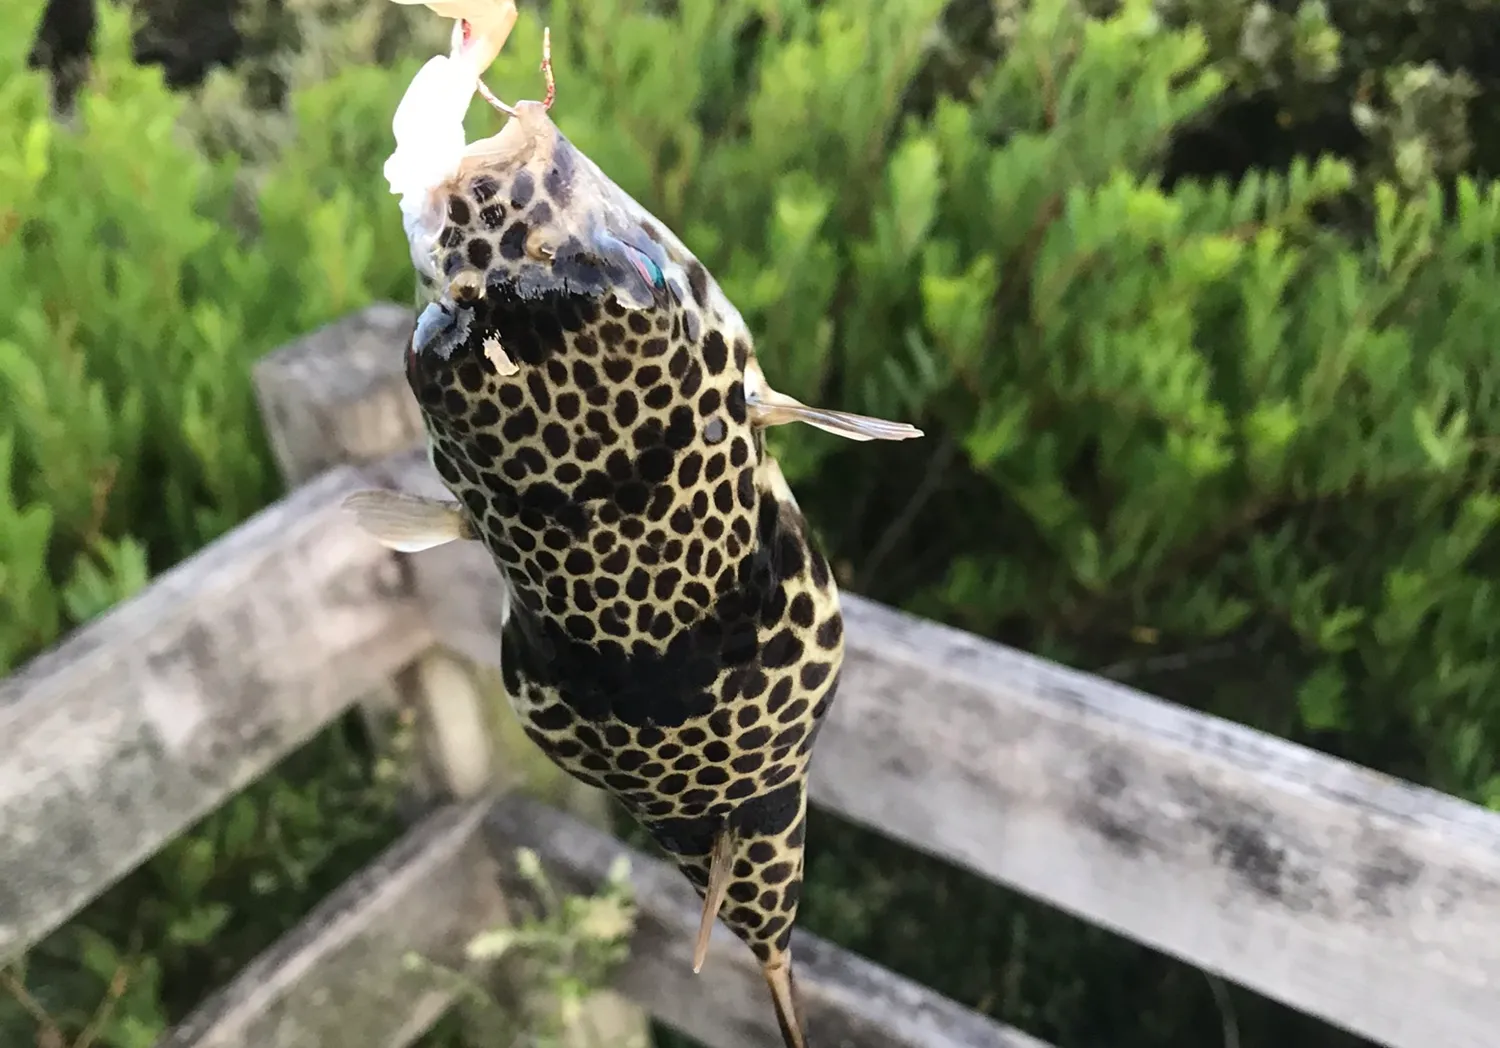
(847, 1002)
(337, 396)
(453, 730)
(1349, 895)
(1363, 900)
(339, 979)
(145, 720)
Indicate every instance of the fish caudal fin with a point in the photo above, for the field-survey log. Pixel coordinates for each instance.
(719, 862)
(407, 523)
(778, 973)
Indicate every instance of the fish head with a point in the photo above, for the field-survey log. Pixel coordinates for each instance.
(567, 334)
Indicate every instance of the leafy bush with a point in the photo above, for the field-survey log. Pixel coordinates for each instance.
(154, 247)
(135, 311)
(1195, 427)
(1232, 439)
(1161, 412)
(141, 281)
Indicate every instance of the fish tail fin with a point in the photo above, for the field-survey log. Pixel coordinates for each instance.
(778, 973)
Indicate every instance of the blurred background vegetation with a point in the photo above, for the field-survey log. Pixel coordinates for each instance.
(1195, 299)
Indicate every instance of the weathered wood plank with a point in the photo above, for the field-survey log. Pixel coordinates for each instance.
(845, 999)
(337, 396)
(148, 718)
(339, 979)
(1351, 896)
(454, 735)
(1363, 900)
(301, 389)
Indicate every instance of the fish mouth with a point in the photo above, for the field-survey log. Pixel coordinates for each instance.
(612, 274)
(528, 214)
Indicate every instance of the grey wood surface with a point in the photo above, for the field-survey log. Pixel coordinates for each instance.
(336, 396)
(1349, 895)
(146, 719)
(847, 1002)
(1352, 896)
(301, 389)
(1367, 901)
(339, 979)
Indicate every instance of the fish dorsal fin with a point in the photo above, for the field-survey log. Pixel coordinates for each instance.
(840, 423)
(407, 523)
(770, 408)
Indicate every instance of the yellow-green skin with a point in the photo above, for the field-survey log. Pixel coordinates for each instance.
(674, 637)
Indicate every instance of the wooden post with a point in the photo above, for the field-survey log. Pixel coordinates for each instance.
(315, 397)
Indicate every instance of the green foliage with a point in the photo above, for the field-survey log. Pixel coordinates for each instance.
(183, 924)
(153, 248)
(141, 282)
(1189, 433)
(1190, 426)
(553, 961)
(1171, 405)
(135, 311)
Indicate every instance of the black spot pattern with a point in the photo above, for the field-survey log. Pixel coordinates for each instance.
(673, 638)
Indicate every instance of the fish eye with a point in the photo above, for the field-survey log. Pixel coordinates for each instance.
(467, 286)
(648, 268)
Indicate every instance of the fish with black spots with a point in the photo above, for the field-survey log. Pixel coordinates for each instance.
(593, 402)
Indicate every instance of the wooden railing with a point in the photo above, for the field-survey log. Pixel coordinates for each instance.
(1363, 900)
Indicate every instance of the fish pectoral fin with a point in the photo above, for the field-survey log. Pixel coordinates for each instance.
(775, 409)
(407, 523)
(720, 860)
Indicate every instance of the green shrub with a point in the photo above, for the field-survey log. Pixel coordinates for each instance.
(1232, 440)
(1163, 412)
(139, 289)
(154, 247)
(1190, 428)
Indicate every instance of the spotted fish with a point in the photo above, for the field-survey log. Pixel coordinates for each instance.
(593, 402)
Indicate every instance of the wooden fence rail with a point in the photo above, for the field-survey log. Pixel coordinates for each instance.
(147, 719)
(1360, 899)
